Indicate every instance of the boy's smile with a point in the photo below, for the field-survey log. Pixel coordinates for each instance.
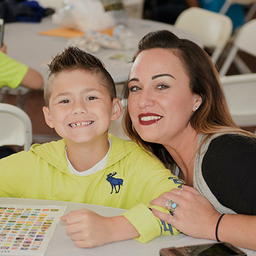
(80, 107)
(80, 124)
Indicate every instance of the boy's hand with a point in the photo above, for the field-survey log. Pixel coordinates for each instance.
(89, 229)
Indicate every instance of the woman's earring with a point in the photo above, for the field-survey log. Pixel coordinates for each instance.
(197, 108)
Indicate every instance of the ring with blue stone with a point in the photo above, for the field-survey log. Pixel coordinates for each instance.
(170, 205)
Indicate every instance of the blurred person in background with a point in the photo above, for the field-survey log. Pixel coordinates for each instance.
(168, 10)
(13, 74)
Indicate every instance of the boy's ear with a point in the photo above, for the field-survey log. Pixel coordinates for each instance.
(48, 117)
(117, 109)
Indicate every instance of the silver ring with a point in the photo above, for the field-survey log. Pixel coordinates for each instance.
(167, 204)
(173, 220)
(180, 191)
(170, 205)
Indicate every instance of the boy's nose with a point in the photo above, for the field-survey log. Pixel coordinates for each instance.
(79, 107)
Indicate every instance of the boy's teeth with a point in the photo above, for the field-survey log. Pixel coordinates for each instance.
(149, 118)
(81, 124)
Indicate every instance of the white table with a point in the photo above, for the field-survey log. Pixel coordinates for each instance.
(25, 45)
(61, 244)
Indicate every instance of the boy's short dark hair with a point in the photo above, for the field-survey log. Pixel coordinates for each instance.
(74, 58)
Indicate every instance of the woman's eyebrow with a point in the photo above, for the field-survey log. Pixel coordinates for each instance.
(133, 79)
(156, 76)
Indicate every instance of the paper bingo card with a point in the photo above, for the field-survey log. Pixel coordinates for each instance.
(27, 230)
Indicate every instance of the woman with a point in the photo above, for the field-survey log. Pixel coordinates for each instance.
(177, 110)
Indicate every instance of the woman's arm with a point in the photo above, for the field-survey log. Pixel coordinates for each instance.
(239, 230)
(196, 217)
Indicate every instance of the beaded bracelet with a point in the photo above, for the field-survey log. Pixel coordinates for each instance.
(217, 225)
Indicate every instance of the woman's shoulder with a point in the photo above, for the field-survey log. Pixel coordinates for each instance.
(229, 169)
(224, 148)
(229, 143)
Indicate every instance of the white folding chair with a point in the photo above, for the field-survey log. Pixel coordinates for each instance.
(21, 94)
(249, 14)
(245, 40)
(240, 92)
(16, 127)
(212, 29)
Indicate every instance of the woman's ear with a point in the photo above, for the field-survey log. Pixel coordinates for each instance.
(117, 109)
(48, 117)
(198, 102)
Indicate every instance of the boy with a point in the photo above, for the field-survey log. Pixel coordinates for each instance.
(88, 165)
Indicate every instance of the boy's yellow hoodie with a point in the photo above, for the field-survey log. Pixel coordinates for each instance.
(130, 180)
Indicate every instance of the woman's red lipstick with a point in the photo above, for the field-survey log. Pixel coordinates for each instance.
(149, 118)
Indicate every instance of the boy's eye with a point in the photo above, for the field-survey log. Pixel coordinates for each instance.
(134, 88)
(91, 98)
(65, 101)
(162, 86)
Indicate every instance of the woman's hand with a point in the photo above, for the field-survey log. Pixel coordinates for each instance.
(194, 215)
(88, 229)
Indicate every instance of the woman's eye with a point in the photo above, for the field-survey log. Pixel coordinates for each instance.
(91, 98)
(162, 86)
(134, 88)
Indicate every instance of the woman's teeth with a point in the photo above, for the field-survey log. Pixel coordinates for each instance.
(149, 118)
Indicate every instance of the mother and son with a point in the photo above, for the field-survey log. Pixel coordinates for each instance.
(188, 167)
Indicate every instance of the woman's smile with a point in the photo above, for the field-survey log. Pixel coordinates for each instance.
(149, 118)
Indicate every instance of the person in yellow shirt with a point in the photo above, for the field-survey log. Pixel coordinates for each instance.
(14, 73)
